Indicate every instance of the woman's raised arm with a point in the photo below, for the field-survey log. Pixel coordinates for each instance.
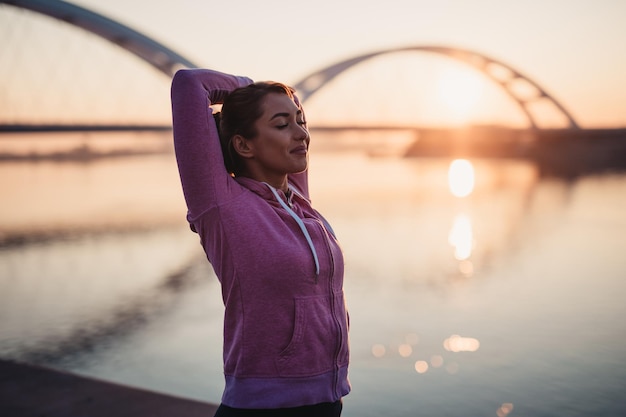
(204, 178)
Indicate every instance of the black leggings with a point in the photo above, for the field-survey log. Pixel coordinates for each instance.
(317, 410)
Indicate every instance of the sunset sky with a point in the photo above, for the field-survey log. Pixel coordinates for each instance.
(574, 49)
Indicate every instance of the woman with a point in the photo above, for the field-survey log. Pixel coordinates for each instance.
(277, 259)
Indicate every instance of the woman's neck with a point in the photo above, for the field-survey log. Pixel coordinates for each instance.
(279, 183)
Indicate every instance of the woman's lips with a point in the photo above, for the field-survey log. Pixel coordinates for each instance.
(300, 150)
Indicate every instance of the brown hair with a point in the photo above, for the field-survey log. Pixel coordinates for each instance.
(240, 110)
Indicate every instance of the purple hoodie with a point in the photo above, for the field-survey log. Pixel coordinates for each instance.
(279, 263)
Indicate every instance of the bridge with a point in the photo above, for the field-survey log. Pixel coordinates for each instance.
(502, 74)
(167, 61)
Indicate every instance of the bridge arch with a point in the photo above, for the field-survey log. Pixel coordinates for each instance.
(168, 61)
(151, 51)
(506, 77)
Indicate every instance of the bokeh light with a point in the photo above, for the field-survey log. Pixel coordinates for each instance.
(436, 361)
(456, 343)
(405, 350)
(378, 351)
(504, 410)
(421, 367)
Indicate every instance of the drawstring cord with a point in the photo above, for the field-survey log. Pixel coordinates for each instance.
(302, 227)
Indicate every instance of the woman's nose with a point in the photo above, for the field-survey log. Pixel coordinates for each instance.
(302, 133)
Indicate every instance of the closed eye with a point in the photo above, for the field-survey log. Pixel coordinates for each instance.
(285, 125)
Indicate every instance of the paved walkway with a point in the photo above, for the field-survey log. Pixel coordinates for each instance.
(33, 391)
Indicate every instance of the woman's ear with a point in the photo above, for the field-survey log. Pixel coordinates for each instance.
(243, 146)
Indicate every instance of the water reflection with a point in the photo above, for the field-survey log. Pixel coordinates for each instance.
(461, 182)
(461, 178)
(49, 199)
(421, 367)
(544, 256)
(378, 350)
(63, 298)
(456, 343)
(504, 410)
(436, 361)
(405, 350)
(461, 237)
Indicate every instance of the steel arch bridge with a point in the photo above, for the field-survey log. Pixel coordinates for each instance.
(151, 51)
(315, 81)
(168, 61)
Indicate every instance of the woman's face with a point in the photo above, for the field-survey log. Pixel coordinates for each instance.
(282, 141)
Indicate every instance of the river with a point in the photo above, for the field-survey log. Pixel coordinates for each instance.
(477, 288)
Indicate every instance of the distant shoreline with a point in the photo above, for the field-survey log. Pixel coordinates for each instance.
(79, 154)
(558, 152)
(43, 128)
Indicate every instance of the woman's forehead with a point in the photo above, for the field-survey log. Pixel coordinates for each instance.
(275, 103)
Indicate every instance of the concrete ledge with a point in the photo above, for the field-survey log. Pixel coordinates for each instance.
(34, 391)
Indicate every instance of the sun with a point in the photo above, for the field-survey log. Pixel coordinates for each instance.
(460, 90)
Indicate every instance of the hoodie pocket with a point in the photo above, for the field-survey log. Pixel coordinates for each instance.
(316, 340)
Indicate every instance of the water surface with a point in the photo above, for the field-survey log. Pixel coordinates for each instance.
(508, 301)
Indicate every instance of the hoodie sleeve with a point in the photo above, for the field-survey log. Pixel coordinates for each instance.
(203, 174)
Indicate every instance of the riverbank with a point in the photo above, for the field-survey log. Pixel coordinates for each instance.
(565, 153)
(29, 391)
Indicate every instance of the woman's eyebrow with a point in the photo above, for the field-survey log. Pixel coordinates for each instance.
(279, 115)
(285, 114)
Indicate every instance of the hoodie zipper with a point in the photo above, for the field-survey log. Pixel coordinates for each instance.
(333, 311)
(326, 229)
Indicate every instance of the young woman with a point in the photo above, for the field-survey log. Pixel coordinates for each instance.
(277, 259)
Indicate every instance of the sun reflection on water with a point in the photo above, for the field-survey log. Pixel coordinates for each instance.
(461, 237)
(436, 361)
(461, 183)
(407, 350)
(461, 178)
(378, 350)
(456, 343)
(421, 367)
(504, 410)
